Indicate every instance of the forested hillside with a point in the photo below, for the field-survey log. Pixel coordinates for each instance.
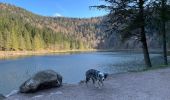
(23, 30)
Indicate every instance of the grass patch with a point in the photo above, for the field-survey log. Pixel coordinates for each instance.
(156, 67)
(151, 68)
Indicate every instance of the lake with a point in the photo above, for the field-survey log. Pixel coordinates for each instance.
(72, 66)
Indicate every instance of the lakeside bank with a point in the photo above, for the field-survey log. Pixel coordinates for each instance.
(146, 85)
(9, 54)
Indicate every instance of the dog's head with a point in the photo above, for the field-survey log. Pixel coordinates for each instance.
(103, 76)
(106, 75)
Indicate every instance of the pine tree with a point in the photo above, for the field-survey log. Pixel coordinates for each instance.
(38, 42)
(1, 41)
(28, 43)
(163, 28)
(128, 17)
(80, 45)
(8, 42)
(22, 43)
(14, 36)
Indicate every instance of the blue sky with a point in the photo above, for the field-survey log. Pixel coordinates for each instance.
(66, 8)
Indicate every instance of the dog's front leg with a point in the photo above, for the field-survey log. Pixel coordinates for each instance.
(101, 83)
(97, 84)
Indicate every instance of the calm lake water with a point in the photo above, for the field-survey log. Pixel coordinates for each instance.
(13, 72)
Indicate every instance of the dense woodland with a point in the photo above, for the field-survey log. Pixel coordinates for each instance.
(23, 30)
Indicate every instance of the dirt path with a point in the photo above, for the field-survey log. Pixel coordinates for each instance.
(149, 85)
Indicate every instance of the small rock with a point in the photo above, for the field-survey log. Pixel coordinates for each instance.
(41, 80)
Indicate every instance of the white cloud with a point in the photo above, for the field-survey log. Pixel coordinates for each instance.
(57, 15)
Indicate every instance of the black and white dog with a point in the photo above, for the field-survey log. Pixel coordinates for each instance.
(96, 76)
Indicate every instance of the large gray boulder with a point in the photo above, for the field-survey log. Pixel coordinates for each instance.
(2, 97)
(41, 80)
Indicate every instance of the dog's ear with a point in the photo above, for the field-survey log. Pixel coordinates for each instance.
(105, 75)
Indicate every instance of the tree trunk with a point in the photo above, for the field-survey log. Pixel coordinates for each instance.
(143, 36)
(145, 48)
(164, 32)
(164, 47)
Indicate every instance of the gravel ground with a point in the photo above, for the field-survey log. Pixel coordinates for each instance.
(148, 85)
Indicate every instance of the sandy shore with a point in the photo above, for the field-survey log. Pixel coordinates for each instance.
(7, 54)
(148, 85)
